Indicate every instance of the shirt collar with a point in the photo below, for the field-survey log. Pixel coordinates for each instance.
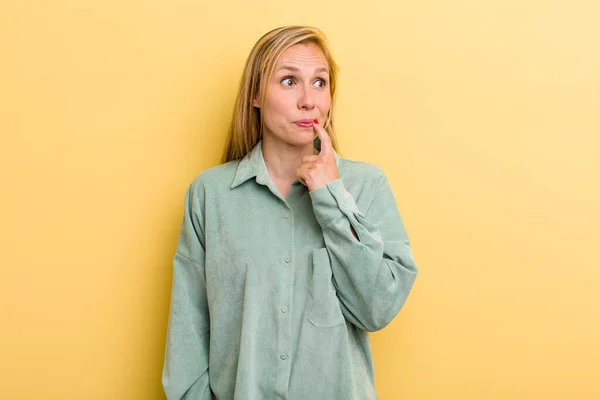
(253, 165)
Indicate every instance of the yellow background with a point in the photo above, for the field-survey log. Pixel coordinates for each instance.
(484, 114)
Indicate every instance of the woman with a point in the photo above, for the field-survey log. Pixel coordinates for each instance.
(287, 256)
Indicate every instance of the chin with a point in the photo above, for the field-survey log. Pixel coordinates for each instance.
(303, 137)
(296, 138)
(302, 141)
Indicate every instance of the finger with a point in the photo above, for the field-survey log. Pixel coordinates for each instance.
(318, 163)
(310, 158)
(302, 175)
(302, 172)
(306, 170)
(326, 146)
(308, 166)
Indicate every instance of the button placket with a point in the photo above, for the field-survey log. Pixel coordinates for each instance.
(284, 308)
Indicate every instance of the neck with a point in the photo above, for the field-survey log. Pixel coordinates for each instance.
(282, 159)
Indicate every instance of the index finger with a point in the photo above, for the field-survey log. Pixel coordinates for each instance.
(326, 147)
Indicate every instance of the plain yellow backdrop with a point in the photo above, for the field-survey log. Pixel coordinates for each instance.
(485, 115)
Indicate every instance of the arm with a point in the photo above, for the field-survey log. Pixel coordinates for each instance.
(185, 370)
(374, 272)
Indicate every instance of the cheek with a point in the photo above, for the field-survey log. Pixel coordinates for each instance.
(324, 102)
(278, 107)
(276, 114)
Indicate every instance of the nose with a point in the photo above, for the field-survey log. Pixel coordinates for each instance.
(306, 101)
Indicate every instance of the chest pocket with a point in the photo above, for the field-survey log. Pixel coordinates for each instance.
(323, 305)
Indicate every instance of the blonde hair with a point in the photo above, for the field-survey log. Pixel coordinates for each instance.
(246, 125)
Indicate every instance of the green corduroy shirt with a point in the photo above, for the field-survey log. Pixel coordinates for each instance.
(273, 297)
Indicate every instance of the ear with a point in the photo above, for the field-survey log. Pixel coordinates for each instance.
(256, 103)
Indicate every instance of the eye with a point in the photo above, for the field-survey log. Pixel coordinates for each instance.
(321, 83)
(287, 81)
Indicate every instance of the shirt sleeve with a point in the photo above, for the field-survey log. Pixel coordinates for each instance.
(185, 369)
(373, 275)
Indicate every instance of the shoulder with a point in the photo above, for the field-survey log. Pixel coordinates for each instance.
(215, 178)
(361, 173)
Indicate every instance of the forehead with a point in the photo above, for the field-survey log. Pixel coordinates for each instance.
(303, 55)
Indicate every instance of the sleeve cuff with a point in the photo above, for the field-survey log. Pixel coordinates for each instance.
(332, 201)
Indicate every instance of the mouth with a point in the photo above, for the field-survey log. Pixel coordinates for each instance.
(304, 123)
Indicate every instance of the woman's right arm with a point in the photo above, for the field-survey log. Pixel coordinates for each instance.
(185, 370)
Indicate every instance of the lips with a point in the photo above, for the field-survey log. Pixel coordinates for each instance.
(305, 123)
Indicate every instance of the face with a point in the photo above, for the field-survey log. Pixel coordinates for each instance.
(297, 93)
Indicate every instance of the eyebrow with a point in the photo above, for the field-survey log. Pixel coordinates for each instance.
(289, 67)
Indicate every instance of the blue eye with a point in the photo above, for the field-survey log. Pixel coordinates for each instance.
(287, 81)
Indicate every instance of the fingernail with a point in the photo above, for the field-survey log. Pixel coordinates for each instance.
(316, 122)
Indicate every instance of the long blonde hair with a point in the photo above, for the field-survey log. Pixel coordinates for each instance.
(246, 125)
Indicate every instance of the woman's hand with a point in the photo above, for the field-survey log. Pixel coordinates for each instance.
(318, 170)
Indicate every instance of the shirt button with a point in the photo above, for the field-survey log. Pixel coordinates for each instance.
(284, 309)
(283, 357)
(287, 259)
(286, 214)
